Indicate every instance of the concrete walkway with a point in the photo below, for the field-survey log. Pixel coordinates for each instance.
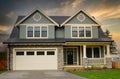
(43, 74)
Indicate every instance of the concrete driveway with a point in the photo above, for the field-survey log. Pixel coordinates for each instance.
(43, 74)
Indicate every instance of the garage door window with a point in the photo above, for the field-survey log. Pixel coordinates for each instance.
(30, 53)
(20, 53)
(50, 53)
(40, 53)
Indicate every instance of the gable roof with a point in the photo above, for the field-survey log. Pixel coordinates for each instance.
(59, 19)
(78, 13)
(24, 18)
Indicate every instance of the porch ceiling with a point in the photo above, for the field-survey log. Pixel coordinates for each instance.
(87, 43)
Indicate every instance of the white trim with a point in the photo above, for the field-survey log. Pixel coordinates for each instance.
(82, 25)
(78, 17)
(84, 31)
(37, 19)
(32, 13)
(77, 13)
(40, 25)
(81, 53)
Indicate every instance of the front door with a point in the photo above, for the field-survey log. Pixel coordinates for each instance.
(70, 58)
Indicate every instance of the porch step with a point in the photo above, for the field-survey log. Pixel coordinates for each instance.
(73, 68)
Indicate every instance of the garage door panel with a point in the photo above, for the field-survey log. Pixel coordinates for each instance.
(36, 62)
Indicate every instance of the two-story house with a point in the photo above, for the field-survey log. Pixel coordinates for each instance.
(42, 42)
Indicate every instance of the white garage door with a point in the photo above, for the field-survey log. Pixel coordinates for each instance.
(35, 59)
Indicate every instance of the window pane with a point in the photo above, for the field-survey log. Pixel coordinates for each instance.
(19, 53)
(81, 31)
(40, 53)
(50, 53)
(88, 32)
(30, 53)
(30, 31)
(96, 53)
(89, 52)
(74, 32)
(37, 31)
(44, 32)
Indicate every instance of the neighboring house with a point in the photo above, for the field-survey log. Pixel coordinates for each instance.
(40, 42)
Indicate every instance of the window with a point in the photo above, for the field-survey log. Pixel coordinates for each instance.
(30, 31)
(74, 32)
(30, 53)
(81, 31)
(88, 32)
(37, 31)
(50, 53)
(96, 53)
(44, 32)
(40, 53)
(89, 52)
(19, 53)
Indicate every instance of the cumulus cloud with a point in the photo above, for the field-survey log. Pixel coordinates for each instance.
(4, 28)
(68, 7)
(106, 12)
(10, 14)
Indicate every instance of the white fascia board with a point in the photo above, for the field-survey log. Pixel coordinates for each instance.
(29, 14)
(81, 10)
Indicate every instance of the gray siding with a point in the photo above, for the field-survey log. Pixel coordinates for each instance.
(59, 32)
(75, 20)
(95, 31)
(43, 20)
(22, 32)
(51, 32)
(67, 32)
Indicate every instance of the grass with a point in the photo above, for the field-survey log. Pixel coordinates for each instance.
(103, 74)
(1, 71)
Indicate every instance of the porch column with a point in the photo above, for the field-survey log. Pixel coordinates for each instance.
(108, 58)
(84, 51)
(108, 50)
(85, 60)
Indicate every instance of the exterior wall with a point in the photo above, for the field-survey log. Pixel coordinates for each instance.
(59, 32)
(60, 58)
(67, 31)
(87, 20)
(22, 32)
(51, 32)
(43, 20)
(10, 57)
(95, 31)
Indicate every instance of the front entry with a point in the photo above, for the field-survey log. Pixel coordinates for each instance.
(70, 58)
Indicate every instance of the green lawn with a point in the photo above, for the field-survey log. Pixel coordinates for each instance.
(103, 74)
(1, 71)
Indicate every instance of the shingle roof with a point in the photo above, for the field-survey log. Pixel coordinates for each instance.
(58, 19)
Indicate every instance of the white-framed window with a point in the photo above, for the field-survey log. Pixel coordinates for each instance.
(39, 31)
(81, 31)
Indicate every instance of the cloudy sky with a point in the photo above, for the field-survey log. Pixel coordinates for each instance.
(107, 12)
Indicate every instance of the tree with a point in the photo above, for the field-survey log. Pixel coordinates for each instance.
(113, 46)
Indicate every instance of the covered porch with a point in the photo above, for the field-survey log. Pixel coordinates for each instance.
(76, 54)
